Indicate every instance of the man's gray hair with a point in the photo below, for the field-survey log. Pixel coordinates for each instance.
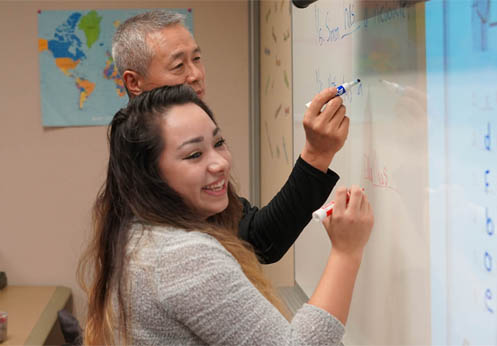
(129, 46)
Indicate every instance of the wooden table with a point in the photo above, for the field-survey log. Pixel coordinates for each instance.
(32, 312)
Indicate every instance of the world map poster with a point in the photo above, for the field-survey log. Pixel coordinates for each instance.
(79, 82)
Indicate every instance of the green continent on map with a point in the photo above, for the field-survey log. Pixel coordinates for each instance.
(90, 25)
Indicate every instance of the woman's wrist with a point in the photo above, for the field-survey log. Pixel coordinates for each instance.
(350, 259)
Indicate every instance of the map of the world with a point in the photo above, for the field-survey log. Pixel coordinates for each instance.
(79, 83)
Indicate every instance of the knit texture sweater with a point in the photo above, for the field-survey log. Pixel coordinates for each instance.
(185, 288)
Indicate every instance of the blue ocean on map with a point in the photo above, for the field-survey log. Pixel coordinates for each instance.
(79, 83)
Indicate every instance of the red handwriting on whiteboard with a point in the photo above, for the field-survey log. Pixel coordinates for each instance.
(378, 176)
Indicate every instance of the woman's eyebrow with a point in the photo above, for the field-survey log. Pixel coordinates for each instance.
(191, 141)
(198, 139)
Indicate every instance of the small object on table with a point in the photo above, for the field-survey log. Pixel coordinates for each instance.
(3, 280)
(3, 326)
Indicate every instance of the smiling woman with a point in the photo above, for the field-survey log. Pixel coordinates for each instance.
(166, 265)
(168, 175)
(196, 161)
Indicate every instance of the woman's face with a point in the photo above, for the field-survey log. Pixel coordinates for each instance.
(195, 162)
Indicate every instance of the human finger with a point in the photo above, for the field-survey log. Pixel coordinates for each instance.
(332, 107)
(344, 126)
(340, 201)
(337, 118)
(339, 127)
(322, 98)
(367, 211)
(356, 198)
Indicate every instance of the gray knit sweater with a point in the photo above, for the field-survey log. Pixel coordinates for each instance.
(187, 289)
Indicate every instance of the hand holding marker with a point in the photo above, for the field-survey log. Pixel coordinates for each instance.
(341, 89)
(327, 209)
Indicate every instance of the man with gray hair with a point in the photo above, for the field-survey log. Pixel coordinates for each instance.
(154, 49)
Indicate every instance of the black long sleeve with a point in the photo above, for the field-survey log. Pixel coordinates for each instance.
(274, 228)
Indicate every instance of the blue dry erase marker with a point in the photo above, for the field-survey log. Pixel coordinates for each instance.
(341, 89)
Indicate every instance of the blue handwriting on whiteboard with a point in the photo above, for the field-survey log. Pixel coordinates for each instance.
(488, 261)
(489, 223)
(384, 14)
(487, 184)
(488, 298)
(330, 33)
(331, 81)
(349, 20)
(487, 140)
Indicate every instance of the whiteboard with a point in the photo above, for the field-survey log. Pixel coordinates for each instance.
(386, 153)
(422, 144)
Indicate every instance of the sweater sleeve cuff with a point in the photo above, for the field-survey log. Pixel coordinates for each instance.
(309, 318)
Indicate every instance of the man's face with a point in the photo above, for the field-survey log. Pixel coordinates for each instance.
(176, 60)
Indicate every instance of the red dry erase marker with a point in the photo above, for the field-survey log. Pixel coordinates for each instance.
(327, 209)
(323, 212)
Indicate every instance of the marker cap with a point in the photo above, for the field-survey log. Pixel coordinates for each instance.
(319, 215)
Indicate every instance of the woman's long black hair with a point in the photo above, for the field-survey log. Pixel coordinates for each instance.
(135, 192)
